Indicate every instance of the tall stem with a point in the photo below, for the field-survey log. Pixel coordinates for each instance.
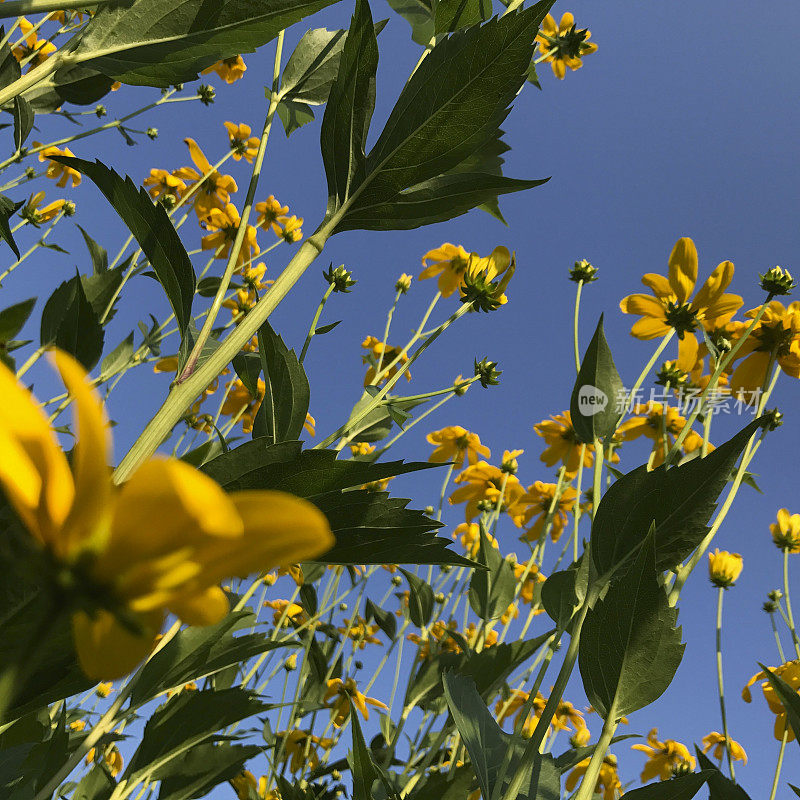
(720, 592)
(789, 614)
(589, 782)
(779, 765)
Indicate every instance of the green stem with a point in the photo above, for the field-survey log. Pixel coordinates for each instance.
(313, 329)
(18, 8)
(48, 67)
(779, 765)
(241, 230)
(777, 638)
(576, 317)
(646, 371)
(386, 335)
(589, 782)
(789, 614)
(720, 592)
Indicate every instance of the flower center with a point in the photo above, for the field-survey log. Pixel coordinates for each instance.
(681, 317)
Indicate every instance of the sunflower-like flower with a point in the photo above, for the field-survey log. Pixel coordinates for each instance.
(563, 444)
(36, 215)
(786, 531)
(790, 673)
(223, 225)
(536, 503)
(386, 354)
(229, 69)
(717, 741)
(455, 443)
(58, 172)
(671, 305)
(269, 212)
(244, 145)
(470, 535)
(241, 404)
(608, 782)
(300, 748)
(214, 190)
(449, 263)
(162, 542)
(161, 183)
(483, 484)
(344, 694)
(663, 757)
(564, 45)
(33, 48)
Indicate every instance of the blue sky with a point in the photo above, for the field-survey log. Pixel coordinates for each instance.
(682, 124)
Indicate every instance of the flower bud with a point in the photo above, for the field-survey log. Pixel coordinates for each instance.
(100, 110)
(487, 373)
(777, 281)
(152, 133)
(403, 284)
(291, 663)
(774, 419)
(206, 94)
(583, 272)
(724, 568)
(396, 580)
(340, 278)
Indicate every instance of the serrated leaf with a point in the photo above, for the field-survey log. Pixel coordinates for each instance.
(364, 771)
(794, 789)
(788, 697)
(205, 766)
(13, 318)
(150, 226)
(70, 323)
(351, 101)
(98, 254)
(7, 209)
(23, 121)
(594, 407)
(680, 499)
(248, 369)
(312, 67)
(101, 288)
(420, 599)
(163, 42)
(630, 648)
(450, 108)
(453, 15)
(681, 787)
(487, 745)
(491, 590)
(720, 787)
(96, 784)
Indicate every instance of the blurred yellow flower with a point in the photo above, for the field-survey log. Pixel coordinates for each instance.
(161, 182)
(470, 535)
(724, 568)
(564, 45)
(532, 577)
(786, 531)
(163, 541)
(110, 755)
(717, 741)
(229, 69)
(662, 757)
(32, 48)
(240, 403)
(241, 142)
(343, 693)
(454, 443)
(608, 782)
(361, 633)
(448, 262)
(289, 229)
(362, 448)
(375, 349)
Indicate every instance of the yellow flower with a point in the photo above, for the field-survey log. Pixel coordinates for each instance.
(224, 225)
(269, 212)
(33, 48)
(289, 229)
(563, 444)
(537, 501)
(37, 215)
(343, 693)
(241, 403)
(790, 673)
(777, 333)
(449, 262)
(662, 756)
(403, 283)
(567, 714)
(104, 689)
(786, 532)
(162, 542)
(310, 425)
(161, 182)
(724, 568)
(375, 348)
(56, 170)
(301, 747)
(647, 420)
(229, 69)
(581, 737)
(454, 443)
(77, 725)
(608, 782)
(242, 143)
(479, 276)
(564, 46)
(670, 307)
(361, 633)
(214, 189)
(245, 781)
(505, 709)
(77, 16)
(110, 755)
(287, 610)
(362, 448)
(482, 486)
(252, 278)
(470, 534)
(533, 577)
(717, 741)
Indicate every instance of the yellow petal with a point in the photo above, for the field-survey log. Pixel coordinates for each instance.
(716, 283)
(749, 375)
(683, 268)
(42, 490)
(642, 304)
(87, 523)
(205, 608)
(687, 352)
(649, 328)
(108, 650)
(659, 285)
(198, 157)
(567, 21)
(723, 308)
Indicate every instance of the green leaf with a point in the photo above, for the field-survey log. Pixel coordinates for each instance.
(190, 336)
(794, 789)
(70, 84)
(594, 407)
(385, 620)
(323, 329)
(364, 771)
(569, 758)
(681, 787)
(561, 596)
(117, 359)
(149, 224)
(788, 696)
(420, 599)
(312, 67)
(450, 109)
(452, 15)
(487, 745)
(101, 288)
(207, 287)
(720, 786)
(450, 785)
(195, 653)
(10, 69)
(13, 318)
(70, 323)
(630, 648)
(98, 254)
(96, 784)
(491, 590)
(418, 14)
(163, 42)
(7, 208)
(294, 115)
(680, 499)
(287, 393)
(183, 722)
(351, 101)
(23, 121)
(378, 423)
(248, 369)
(205, 766)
